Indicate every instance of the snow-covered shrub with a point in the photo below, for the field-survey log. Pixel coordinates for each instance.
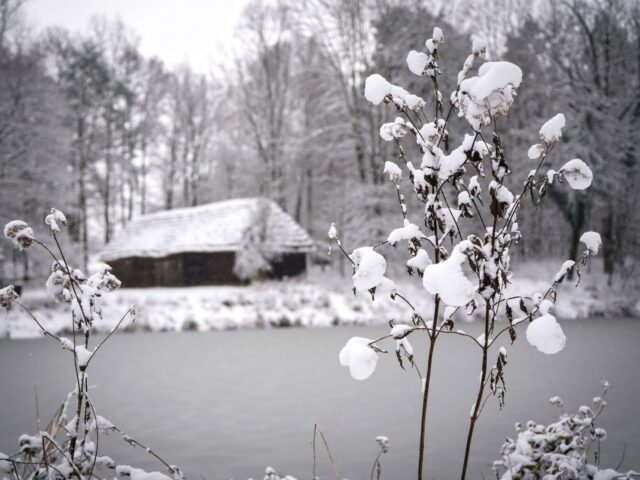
(560, 450)
(458, 243)
(271, 474)
(252, 258)
(68, 447)
(383, 443)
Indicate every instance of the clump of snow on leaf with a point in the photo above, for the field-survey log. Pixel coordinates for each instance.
(7, 296)
(437, 35)
(393, 171)
(556, 401)
(551, 131)
(493, 76)
(577, 174)
(376, 88)
(452, 163)
(83, 355)
(400, 331)
(55, 220)
(502, 193)
(393, 130)
(417, 61)
(592, 241)
(564, 270)
(546, 335)
(414, 102)
(420, 261)
(479, 46)
(359, 357)
(535, 151)
(409, 231)
(449, 281)
(333, 232)
(370, 268)
(488, 95)
(19, 233)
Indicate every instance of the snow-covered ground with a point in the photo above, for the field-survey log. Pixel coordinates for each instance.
(320, 300)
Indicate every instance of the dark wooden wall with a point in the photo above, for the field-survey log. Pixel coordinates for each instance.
(191, 269)
(289, 265)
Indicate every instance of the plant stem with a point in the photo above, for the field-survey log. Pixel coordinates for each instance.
(425, 395)
(477, 405)
(427, 380)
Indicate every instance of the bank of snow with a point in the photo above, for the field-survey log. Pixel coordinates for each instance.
(264, 305)
(323, 302)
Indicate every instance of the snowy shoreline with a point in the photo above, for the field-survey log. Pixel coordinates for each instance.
(284, 304)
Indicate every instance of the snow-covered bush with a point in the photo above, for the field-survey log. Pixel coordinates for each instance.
(559, 450)
(252, 259)
(68, 446)
(458, 243)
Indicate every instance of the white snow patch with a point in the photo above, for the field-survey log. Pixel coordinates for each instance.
(414, 102)
(556, 401)
(448, 280)
(478, 46)
(333, 232)
(417, 61)
(564, 269)
(592, 241)
(370, 268)
(535, 151)
(83, 355)
(493, 76)
(551, 131)
(376, 88)
(393, 171)
(400, 330)
(437, 35)
(577, 173)
(359, 357)
(409, 231)
(545, 334)
(420, 261)
(393, 130)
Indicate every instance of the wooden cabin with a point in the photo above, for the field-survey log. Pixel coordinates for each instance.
(202, 245)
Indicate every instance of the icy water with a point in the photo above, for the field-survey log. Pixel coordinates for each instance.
(226, 404)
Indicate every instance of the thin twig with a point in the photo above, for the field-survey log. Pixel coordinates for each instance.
(317, 429)
(375, 462)
(44, 330)
(130, 310)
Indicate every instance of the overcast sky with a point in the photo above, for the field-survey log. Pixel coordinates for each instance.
(174, 30)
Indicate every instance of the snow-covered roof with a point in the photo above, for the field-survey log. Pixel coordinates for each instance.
(214, 227)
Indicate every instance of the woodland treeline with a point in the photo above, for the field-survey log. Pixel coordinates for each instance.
(90, 125)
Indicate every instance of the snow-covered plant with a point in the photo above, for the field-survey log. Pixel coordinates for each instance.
(376, 470)
(458, 244)
(253, 258)
(271, 474)
(560, 450)
(67, 448)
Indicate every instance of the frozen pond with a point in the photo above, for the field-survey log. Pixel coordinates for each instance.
(226, 404)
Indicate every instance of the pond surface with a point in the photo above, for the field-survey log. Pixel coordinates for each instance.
(227, 404)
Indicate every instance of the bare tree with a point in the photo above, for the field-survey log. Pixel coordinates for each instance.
(192, 103)
(83, 74)
(264, 88)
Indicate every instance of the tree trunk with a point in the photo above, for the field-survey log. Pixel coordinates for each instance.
(82, 194)
(106, 195)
